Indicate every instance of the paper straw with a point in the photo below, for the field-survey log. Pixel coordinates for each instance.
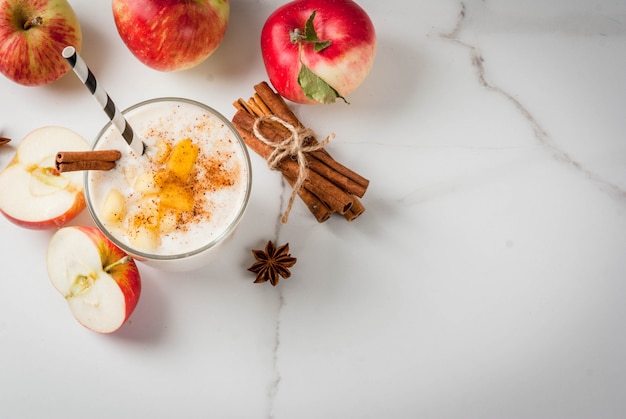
(115, 115)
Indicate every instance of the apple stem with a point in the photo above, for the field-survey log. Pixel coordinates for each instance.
(122, 261)
(298, 36)
(36, 21)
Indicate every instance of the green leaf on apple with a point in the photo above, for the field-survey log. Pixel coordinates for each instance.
(315, 88)
(311, 36)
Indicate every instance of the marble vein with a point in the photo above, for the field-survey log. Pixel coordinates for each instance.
(274, 386)
(276, 379)
(541, 135)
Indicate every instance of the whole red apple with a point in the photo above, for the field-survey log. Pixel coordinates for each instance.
(99, 281)
(32, 35)
(316, 51)
(171, 35)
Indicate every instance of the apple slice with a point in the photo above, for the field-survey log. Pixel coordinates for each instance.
(34, 194)
(100, 282)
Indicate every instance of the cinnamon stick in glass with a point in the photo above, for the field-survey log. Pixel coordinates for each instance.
(70, 161)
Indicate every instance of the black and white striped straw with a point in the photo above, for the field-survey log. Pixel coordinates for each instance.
(115, 115)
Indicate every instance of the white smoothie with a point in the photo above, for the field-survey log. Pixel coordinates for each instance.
(154, 221)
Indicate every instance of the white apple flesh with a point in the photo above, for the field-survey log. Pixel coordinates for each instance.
(34, 194)
(99, 281)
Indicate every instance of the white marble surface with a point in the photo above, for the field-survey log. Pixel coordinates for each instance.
(486, 279)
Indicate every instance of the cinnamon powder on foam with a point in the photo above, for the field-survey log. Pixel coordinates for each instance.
(209, 175)
(211, 172)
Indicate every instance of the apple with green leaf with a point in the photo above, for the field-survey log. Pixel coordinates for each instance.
(171, 35)
(32, 35)
(318, 51)
(99, 281)
(35, 194)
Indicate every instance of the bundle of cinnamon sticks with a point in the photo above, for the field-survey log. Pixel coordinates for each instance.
(329, 187)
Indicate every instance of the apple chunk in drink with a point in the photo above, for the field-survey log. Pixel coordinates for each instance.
(172, 206)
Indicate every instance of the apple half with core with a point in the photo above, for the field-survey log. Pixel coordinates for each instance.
(35, 194)
(32, 35)
(316, 51)
(171, 35)
(100, 282)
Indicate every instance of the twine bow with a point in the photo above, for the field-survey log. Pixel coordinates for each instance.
(294, 147)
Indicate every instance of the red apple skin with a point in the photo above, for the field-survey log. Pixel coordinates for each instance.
(126, 275)
(32, 57)
(78, 204)
(56, 222)
(343, 65)
(171, 35)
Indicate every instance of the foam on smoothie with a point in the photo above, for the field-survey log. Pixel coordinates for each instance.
(217, 185)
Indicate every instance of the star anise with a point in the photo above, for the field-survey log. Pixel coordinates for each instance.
(272, 263)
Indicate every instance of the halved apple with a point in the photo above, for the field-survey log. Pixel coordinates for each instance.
(34, 193)
(100, 282)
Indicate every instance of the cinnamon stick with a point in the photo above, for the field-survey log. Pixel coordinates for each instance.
(319, 162)
(266, 97)
(71, 161)
(320, 210)
(4, 140)
(337, 199)
(85, 165)
(334, 197)
(336, 177)
(324, 157)
(356, 209)
(329, 186)
(93, 155)
(276, 104)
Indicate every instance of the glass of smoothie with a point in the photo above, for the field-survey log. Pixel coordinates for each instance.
(174, 205)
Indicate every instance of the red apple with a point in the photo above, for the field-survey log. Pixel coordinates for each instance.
(316, 51)
(34, 193)
(32, 35)
(171, 35)
(99, 281)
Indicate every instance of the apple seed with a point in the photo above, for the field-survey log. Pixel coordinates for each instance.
(80, 285)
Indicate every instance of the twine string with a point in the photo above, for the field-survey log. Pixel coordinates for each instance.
(294, 147)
